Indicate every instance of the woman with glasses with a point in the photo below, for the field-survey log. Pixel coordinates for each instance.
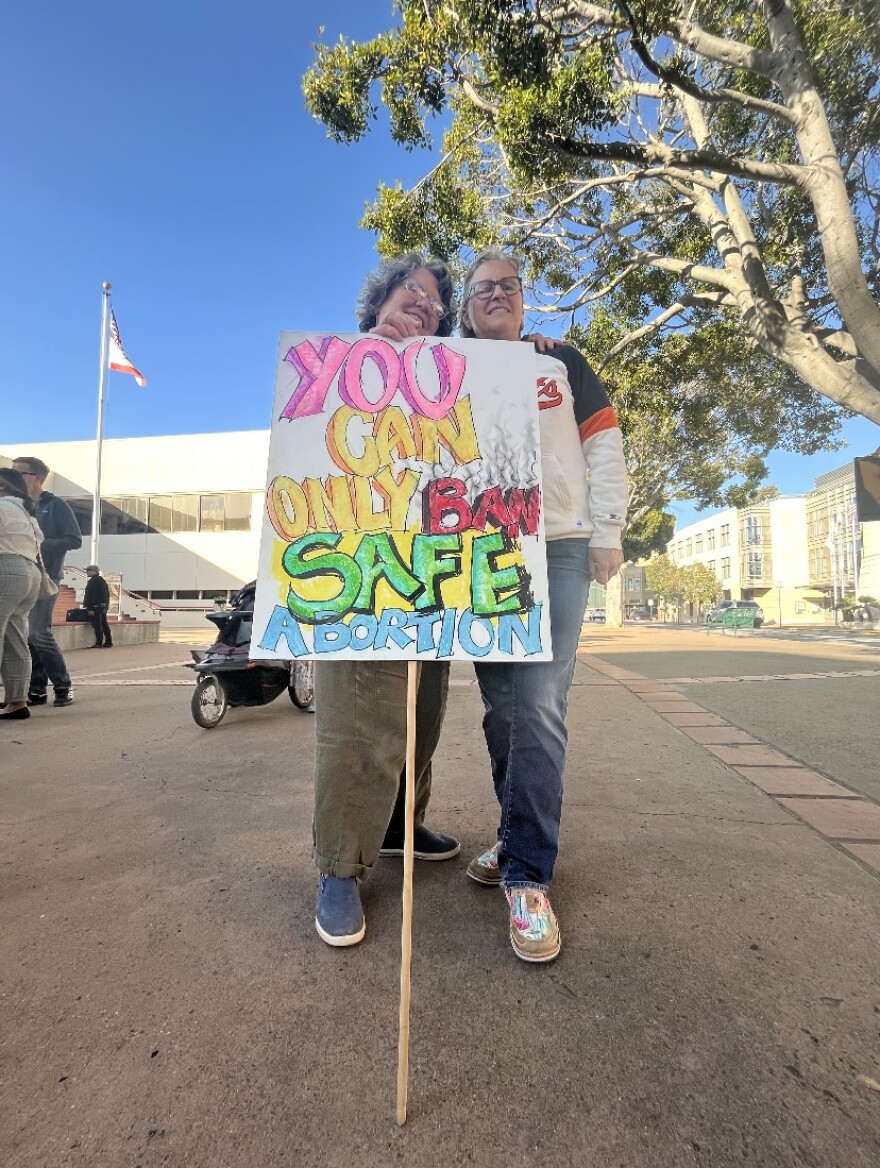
(19, 585)
(361, 705)
(525, 704)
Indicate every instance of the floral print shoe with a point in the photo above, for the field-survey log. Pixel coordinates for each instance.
(534, 929)
(484, 869)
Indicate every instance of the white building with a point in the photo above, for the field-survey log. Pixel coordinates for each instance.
(180, 515)
(794, 554)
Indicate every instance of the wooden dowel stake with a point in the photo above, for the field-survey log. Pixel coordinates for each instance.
(406, 923)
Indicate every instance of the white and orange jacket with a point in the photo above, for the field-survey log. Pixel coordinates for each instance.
(585, 491)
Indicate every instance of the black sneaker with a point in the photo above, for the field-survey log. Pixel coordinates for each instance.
(427, 845)
(63, 697)
(37, 699)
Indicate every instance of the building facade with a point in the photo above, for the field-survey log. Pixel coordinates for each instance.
(799, 556)
(180, 515)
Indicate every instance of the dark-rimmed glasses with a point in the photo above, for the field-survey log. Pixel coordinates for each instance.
(483, 289)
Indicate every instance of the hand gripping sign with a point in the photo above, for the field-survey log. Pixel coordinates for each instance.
(403, 517)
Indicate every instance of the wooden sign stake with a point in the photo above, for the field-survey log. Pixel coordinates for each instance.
(406, 923)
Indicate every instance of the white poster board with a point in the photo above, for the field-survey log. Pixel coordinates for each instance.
(403, 507)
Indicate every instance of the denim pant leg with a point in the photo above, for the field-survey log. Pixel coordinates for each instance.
(47, 660)
(360, 730)
(525, 729)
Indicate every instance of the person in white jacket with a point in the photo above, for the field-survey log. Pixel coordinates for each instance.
(19, 585)
(584, 501)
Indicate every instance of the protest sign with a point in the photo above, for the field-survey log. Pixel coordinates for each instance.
(403, 509)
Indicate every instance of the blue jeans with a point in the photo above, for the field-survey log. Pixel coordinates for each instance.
(524, 724)
(46, 658)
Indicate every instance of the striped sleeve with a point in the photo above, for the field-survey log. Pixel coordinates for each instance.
(602, 445)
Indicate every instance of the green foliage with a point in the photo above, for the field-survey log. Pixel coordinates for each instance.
(547, 115)
(699, 584)
(664, 578)
(647, 533)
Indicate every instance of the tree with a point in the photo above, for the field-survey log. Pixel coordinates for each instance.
(664, 578)
(699, 585)
(706, 173)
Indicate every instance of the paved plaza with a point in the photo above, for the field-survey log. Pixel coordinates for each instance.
(165, 1000)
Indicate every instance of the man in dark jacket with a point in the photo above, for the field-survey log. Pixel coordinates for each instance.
(61, 534)
(96, 600)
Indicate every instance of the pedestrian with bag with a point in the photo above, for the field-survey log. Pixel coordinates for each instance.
(96, 601)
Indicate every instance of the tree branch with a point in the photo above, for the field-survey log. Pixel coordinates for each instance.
(648, 154)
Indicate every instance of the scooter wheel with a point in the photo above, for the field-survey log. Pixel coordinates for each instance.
(302, 686)
(208, 702)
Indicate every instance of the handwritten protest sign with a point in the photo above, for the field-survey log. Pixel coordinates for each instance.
(403, 510)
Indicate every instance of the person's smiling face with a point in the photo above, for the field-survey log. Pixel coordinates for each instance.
(498, 317)
(415, 302)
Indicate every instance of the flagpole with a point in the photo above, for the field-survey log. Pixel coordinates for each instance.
(102, 378)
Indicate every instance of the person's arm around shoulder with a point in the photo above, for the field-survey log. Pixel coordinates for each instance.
(602, 447)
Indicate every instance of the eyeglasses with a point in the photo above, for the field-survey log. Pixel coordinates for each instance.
(437, 307)
(483, 289)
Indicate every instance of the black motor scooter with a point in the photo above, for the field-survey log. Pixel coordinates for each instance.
(228, 678)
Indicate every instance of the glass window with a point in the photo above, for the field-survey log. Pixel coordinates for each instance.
(698, 543)
(187, 594)
(799, 606)
(755, 565)
(184, 512)
(124, 516)
(161, 594)
(753, 529)
(213, 593)
(711, 565)
(725, 535)
(725, 568)
(689, 547)
(160, 512)
(710, 540)
(230, 512)
(82, 509)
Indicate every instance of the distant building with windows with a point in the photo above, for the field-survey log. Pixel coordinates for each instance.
(796, 555)
(180, 515)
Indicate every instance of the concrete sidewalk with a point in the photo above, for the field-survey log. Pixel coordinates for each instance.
(166, 1001)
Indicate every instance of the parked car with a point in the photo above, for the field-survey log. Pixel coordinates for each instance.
(717, 614)
(595, 614)
(639, 614)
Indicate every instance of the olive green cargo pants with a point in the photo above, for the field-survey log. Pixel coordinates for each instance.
(360, 755)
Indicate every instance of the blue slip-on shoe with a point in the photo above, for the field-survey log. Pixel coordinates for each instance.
(339, 917)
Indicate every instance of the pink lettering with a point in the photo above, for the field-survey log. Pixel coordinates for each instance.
(450, 368)
(385, 357)
(317, 371)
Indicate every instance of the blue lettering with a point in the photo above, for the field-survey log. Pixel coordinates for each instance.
(510, 625)
(466, 640)
(281, 624)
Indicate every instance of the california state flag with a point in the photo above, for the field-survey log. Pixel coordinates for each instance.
(116, 358)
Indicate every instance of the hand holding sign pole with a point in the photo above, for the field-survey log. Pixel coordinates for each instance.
(403, 520)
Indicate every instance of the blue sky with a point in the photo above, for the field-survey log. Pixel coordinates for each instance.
(165, 148)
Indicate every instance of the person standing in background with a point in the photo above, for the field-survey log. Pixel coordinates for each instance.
(96, 601)
(61, 534)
